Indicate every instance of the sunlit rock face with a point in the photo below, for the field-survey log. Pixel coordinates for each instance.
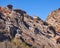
(54, 19)
(20, 30)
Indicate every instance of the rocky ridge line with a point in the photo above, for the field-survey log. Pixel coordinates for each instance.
(19, 30)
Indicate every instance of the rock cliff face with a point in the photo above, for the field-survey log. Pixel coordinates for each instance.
(54, 19)
(19, 30)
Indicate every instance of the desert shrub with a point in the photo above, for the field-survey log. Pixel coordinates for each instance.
(16, 41)
(19, 43)
(24, 45)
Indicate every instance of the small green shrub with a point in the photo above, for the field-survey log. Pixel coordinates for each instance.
(19, 43)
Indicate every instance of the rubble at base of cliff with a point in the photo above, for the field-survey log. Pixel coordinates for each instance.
(19, 30)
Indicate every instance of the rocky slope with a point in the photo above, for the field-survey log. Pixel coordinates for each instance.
(19, 30)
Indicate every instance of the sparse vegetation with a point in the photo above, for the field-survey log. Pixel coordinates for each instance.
(19, 43)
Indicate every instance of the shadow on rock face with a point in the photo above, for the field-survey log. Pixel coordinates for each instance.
(36, 30)
(26, 25)
(4, 37)
(13, 31)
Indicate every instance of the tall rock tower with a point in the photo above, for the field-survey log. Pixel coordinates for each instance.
(54, 19)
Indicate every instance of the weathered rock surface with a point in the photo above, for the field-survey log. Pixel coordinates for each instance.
(54, 19)
(19, 30)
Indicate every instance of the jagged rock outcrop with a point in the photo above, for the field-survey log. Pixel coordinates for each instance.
(54, 19)
(19, 30)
